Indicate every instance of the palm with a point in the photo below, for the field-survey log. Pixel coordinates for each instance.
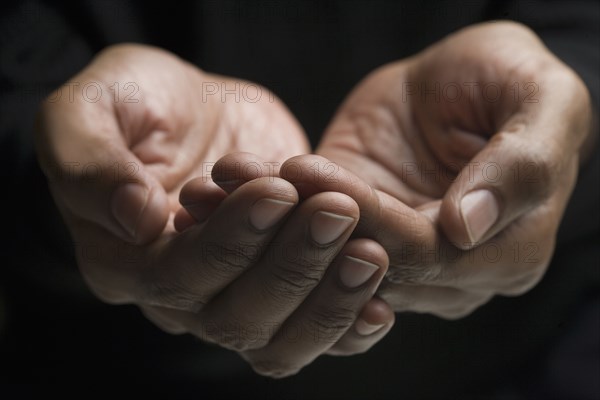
(382, 135)
(181, 123)
(412, 144)
(411, 126)
(372, 136)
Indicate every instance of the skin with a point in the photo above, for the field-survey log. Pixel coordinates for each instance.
(388, 137)
(534, 137)
(435, 264)
(121, 214)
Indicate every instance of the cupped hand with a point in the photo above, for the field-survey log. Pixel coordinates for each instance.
(481, 134)
(116, 164)
(306, 291)
(119, 140)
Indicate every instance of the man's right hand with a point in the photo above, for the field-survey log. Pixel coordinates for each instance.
(117, 151)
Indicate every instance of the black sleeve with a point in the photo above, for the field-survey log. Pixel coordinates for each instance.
(40, 51)
(55, 336)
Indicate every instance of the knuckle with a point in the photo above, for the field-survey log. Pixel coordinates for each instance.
(292, 281)
(328, 322)
(237, 341)
(250, 340)
(415, 273)
(173, 293)
(542, 173)
(416, 260)
(415, 254)
(536, 171)
(225, 258)
(233, 334)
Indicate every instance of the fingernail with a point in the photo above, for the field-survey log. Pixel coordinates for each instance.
(479, 210)
(128, 204)
(326, 227)
(354, 272)
(267, 212)
(363, 328)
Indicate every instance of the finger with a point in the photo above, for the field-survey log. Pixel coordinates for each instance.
(510, 263)
(373, 323)
(373, 121)
(289, 269)
(522, 164)
(445, 302)
(200, 197)
(183, 220)
(409, 236)
(235, 169)
(190, 268)
(93, 173)
(388, 221)
(330, 310)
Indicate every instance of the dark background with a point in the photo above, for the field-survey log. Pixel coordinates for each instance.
(56, 338)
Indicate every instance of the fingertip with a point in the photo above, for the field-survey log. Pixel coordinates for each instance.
(271, 187)
(479, 211)
(200, 198)
(234, 169)
(295, 169)
(200, 189)
(312, 174)
(183, 220)
(377, 312)
(335, 203)
(452, 223)
(375, 317)
(468, 218)
(362, 263)
(367, 250)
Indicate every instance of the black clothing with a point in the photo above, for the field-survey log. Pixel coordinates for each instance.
(310, 53)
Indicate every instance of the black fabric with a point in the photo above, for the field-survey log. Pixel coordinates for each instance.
(310, 53)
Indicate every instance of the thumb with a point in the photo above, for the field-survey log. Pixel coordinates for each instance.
(533, 155)
(92, 173)
(512, 174)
